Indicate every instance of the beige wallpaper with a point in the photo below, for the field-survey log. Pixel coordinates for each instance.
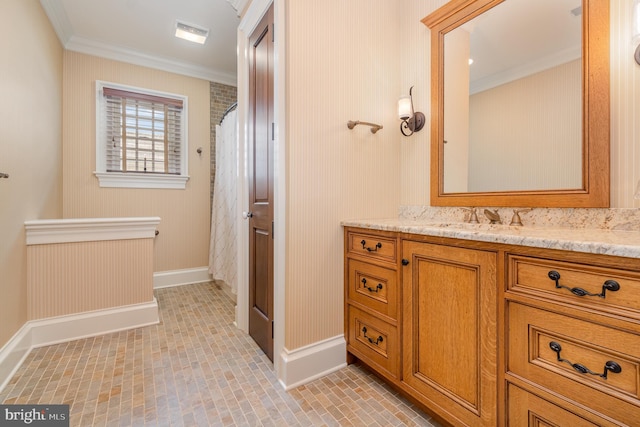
(70, 278)
(353, 60)
(342, 64)
(625, 104)
(415, 71)
(539, 142)
(30, 145)
(625, 109)
(184, 229)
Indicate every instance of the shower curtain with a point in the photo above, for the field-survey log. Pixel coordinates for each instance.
(222, 248)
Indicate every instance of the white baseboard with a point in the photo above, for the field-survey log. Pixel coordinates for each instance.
(77, 326)
(54, 330)
(13, 353)
(311, 362)
(166, 279)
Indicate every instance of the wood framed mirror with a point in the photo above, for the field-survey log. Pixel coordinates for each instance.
(588, 185)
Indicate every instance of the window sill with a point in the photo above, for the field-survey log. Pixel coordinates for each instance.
(135, 180)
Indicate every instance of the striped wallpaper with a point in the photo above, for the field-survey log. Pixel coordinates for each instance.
(342, 64)
(185, 214)
(69, 278)
(353, 60)
(625, 109)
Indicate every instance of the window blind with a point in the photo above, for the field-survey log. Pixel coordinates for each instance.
(143, 132)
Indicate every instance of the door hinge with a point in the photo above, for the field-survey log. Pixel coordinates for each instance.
(272, 230)
(273, 33)
(273, 131)
(272, 329)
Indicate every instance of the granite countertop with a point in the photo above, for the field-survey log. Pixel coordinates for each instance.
(624, 243)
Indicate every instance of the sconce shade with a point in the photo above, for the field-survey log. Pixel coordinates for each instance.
(405, 109)
(410, 121)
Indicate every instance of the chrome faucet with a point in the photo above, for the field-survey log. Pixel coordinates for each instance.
(493, 216)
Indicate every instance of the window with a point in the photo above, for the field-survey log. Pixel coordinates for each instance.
(141, 138)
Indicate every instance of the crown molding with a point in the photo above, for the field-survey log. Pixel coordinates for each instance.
(62, 26)
(239, 5)
(59, 20)
(103, 50)
(516, 73)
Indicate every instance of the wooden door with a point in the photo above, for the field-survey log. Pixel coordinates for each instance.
(449, 330)
(261, 140)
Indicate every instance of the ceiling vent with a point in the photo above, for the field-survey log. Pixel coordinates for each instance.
(191, 32)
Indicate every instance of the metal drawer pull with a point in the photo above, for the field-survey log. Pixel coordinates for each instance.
(609, 285)
(379, 340)
(608, 366)
(370, 289)
(374, 249)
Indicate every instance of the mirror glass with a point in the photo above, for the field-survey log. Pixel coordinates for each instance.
(528, 122)
(513, 97)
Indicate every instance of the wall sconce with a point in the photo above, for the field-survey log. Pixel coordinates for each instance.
(635, 28)
(411, 121)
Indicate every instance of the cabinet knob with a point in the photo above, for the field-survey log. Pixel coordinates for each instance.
(405, 261)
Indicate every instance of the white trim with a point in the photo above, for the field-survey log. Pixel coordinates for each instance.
(50, 231)
(254, 13)
(141, 180)
(130, 56)
(240, 6)
(55, 330)
(167, 279)
(136, 179)
(505, 76)
(13, 354)
(58, 18)
(311, 362)
(280, 181)
(71, 327)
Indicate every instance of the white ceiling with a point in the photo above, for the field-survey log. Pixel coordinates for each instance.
(142, 32)
(520, 37)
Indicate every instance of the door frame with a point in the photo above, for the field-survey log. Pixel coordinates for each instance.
(250, 20)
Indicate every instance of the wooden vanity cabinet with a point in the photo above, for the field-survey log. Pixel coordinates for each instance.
(449, 330)
(423, 315)
(573, 337)
(490, 334)
(372, 299)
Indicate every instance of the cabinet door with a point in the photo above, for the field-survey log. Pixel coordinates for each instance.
(449, 330)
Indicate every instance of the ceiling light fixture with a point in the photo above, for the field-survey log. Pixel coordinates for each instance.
(191, 32)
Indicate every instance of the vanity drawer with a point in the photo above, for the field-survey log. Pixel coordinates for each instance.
(610, 289)
(374, 287)
(374, 341)
(528, 410)
(373, 246)
(544, 347)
